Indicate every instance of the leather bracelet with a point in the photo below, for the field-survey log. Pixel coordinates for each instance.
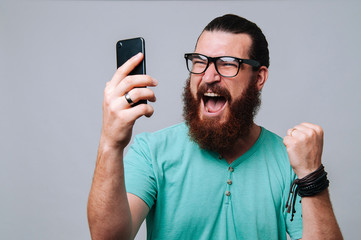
(310, 185)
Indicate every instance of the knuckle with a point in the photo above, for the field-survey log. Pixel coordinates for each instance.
(106, 92)
(135, 94)
(113, 108)
(107, 87)
(141, 93)
(106, 99)
(303, 137)
(310, 132)
(319, 129)
(126, 80)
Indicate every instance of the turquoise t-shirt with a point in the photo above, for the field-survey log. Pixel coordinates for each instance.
(192, 194)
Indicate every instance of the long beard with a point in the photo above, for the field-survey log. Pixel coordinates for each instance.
(218, 137)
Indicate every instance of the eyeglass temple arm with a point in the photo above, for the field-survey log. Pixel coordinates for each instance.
(251, 62)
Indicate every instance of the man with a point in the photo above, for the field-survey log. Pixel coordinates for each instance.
(218, 175)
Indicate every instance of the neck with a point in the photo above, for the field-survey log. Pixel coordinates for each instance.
(242, 145)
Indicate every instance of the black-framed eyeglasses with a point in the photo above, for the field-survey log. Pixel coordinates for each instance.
(226, 66)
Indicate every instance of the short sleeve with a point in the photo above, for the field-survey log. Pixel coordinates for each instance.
(294, 227)
(138, 171)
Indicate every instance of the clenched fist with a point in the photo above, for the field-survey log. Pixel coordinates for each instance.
(304, 144)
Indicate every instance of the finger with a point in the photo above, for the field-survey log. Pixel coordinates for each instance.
(290, 131)
(130, 115)
(316, 128)
(312, 131)
(309, 130)
(287, 140)
(137, 94)
(310, 125)
(295, 131)
(134, 81)
(125, 69)
(306, 125)
(298, 130)
(141, 110)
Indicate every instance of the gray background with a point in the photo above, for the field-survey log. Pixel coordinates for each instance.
(55, 58)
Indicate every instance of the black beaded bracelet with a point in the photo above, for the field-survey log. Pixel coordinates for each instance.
(310, 185)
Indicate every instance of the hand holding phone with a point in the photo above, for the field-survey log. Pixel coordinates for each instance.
(119, 116)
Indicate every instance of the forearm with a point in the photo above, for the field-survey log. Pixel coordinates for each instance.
(304, 144)
(108, 209)
(109, 213)
(319, 221)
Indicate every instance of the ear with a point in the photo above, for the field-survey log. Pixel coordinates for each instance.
(262, 75)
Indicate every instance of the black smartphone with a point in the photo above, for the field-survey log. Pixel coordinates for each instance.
(126, 49)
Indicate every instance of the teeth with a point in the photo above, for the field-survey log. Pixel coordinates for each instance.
(209, 94)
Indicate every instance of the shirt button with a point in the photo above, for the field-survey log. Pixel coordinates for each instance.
(230, 169)
(228, 193)
(229, 181)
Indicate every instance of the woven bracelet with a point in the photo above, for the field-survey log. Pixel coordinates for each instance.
(310, 185)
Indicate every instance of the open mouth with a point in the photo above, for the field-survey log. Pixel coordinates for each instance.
(213, 102)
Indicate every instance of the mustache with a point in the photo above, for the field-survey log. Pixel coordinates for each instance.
(205, 87)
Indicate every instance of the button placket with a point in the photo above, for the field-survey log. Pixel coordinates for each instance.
(229, 183)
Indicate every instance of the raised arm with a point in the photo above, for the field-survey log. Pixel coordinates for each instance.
(112, 213)
(304, 145)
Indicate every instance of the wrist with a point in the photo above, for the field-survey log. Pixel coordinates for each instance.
(303, 172)
(313, 183)
(108, 144)
(310, 185)
(109, 152)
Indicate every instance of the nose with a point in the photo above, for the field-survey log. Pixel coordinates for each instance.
(211, 75)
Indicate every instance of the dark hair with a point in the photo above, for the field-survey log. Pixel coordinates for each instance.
(235, 24)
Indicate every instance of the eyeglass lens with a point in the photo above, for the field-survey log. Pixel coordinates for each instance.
(226, 66)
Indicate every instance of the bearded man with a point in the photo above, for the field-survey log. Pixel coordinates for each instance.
(218, 175)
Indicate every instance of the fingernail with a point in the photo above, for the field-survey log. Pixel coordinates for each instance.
(138, 55)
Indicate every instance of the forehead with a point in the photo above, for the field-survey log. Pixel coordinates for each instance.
(218, 43)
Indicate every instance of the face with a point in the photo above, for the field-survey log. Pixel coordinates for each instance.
(217, 136)
(219, 110)
(217, 92)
